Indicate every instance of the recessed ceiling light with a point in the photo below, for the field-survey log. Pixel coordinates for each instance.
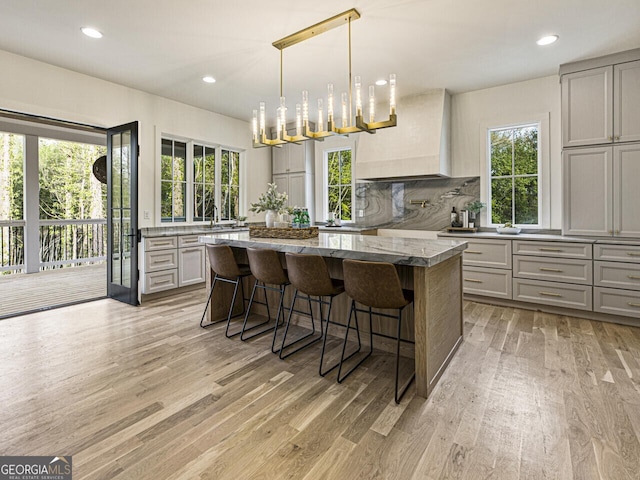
(548, 40)
(380, 83)
(209, 79)
(91, 32)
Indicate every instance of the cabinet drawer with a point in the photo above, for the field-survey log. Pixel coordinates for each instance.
(552, 249)
(188, 241)
(160, 260)
(553, 293)
(554, 269)
(159, 281)
(617, 275)
(617, 253)
(489, 282)
(160, 243)
(617, 302)
(488, 253)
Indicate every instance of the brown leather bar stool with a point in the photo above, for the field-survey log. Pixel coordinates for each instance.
(227, 270)
(266, 268)
(309, 276)
(375, 285)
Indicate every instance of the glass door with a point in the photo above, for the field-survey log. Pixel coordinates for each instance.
(122, 213)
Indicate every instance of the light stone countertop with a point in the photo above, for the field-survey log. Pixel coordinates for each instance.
(400, 251)
(188, 230)
(541, 237)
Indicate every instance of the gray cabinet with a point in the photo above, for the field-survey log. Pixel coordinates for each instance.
(600, 191)
(293, 172)
(601, 105)
(172, 261)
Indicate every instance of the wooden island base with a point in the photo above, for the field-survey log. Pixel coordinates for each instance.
(434, 322)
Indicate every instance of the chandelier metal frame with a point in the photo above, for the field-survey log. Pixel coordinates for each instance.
(303, 129)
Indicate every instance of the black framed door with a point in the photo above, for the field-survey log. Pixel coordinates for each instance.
(122, 213)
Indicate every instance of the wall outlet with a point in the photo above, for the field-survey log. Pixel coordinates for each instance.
(147, 215)
(360, 213)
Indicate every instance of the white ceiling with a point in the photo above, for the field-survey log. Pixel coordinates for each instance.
(165, 47)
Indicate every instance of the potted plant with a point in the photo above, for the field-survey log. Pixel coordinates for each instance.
(474, 209)
(272, 202)
(240, 219)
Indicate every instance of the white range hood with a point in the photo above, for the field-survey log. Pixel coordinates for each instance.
(418, 147)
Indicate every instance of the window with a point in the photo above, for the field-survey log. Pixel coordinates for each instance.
(339, 186)
(12, 157)
(230, 184)
(514, 180)
(204, 183)
(173, 181)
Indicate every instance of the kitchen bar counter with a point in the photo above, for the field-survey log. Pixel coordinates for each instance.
(431, 268)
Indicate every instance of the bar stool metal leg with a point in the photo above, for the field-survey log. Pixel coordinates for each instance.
(230, 315)
(324, 340)
(264, 287)
(354, 312)
(286, 329)
(413, 376)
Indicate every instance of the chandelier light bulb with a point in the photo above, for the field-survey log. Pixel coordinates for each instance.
(345, 116)
(254, 125)
(372, 103)
(392, 94)
(320, 125)
(330, 102)
(305, 107)
(262, 118)
(358, 85)
(298, 120)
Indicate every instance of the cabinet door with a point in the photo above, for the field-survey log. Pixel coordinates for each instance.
(297, 190)
(626, 191)
(587, 197)
(587, 107)
(626, 100)
(191, 265)
(280, 160)
(297, 156)
(282, 182)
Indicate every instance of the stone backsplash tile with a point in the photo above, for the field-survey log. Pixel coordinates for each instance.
(387, 204)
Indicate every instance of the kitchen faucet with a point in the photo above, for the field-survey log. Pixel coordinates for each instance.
(214, 216)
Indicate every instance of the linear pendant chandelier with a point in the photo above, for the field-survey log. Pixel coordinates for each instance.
(347, 124)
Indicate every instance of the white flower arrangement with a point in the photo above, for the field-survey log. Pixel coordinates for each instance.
(270, 200)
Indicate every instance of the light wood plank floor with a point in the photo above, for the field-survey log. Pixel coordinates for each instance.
(23, 292)
(144, 393)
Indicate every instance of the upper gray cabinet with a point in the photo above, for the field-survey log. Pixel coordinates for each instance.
(601, 105)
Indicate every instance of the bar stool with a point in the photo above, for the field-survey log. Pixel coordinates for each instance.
(266, 268)
(309, 276)
(227, 270)
(375, 285)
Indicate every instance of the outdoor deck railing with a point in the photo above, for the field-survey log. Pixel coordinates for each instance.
(62, 243)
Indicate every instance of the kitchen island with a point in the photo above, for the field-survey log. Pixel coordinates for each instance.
(431, 268)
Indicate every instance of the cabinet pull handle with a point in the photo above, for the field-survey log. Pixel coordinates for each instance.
(473, 251)
(542, 249)
(472, 280)
(634, 277)
(544, 269)
(631, 304)
(185, 250)
(631, 254)
(162, 282)
(617, 137)
(610, 137)
(550, 294)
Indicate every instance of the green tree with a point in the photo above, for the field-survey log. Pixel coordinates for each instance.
(514, 175)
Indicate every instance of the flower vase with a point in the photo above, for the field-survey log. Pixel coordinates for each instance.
(271, 218)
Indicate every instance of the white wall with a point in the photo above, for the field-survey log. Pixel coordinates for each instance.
(472, 112)
(38, 88)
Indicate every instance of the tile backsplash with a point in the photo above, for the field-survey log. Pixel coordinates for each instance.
(388, 204)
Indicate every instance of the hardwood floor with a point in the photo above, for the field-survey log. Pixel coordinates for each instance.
(144, 393)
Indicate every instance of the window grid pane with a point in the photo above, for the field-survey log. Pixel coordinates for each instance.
(339, 183)
(203, 183)
(173, 181)
(514, 183)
